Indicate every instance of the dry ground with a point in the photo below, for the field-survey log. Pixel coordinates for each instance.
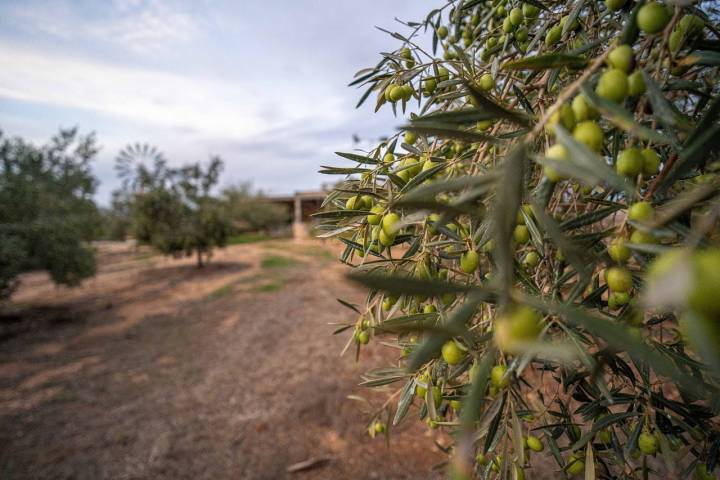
(156, 369)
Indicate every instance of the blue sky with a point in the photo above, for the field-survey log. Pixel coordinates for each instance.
(260, 83)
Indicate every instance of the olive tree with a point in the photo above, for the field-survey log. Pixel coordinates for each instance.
(540, 240)
(172, 209)
(252, 211)
(47, 212)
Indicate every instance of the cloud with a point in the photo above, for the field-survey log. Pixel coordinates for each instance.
(138, 26)
(180, 102)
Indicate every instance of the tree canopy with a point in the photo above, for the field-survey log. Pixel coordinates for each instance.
(47, 212)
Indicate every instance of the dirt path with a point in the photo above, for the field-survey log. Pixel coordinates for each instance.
(155, 369)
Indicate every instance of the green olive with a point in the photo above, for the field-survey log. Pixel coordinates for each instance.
(615, 5)
(618, 251)
(520, 326)
(487, 82)
(652, 17)
(575, 464)
(590, 134)
(582, 109)
(498, 376)
(648, 444)
(553, 35)
(564, 116)
(621, 58)
(619, 279)
(452, 353)
(651, 161)
(442, 31)
(469, 261)
(534, 444)
(516, 16)
(629, 162)
(521, 234)
(530, 11)
(613, 85)
(641, 211)
(636, 83)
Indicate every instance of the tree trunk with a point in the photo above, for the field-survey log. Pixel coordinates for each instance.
(199, 259)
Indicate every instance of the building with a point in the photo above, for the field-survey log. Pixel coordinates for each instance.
(302, 205)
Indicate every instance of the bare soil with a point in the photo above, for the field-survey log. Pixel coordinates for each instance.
(157, 369)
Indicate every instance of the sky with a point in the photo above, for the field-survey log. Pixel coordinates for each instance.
(263, 84)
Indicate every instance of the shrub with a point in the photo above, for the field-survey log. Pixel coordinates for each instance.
(591, 332)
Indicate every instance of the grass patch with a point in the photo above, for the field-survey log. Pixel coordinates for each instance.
(268, 287)
(223, 291)
(251, 237)
(278, 261)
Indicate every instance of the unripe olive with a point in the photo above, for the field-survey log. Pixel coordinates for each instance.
(521, 234)
(516, 16)
(575, 464)
(618, 251)
(532, 259)
(484, 125)
(521, 35)
(487, 82)
(564, 116)
(397, 93)
(558, 153)
(406, 53)
(534, 444)
(363, 337)
(613, 85)
(388, 223)
(636, 83)
(442, 31)
(648, 443)
(353, 203)
(590, 134)
(520, 326)
(553, 35)
(573, 26)
(582, 109)
(443, 74)
(651, 161)
(429, 308)
(615, 5)
(641, 211)
(530, 11)
(469, 261)
(498, 376)
(385, 239)
(437, 395)
(452, 353)
(639, 236)
(619, 279)
(376, 216)
(379, 427)
(704, 296)
(500, 11)
(622, 58)
(652, 17)
(508, 25)
(491, 42)
(410, 138)
(430, 85)
(629, 162)
(618, 299)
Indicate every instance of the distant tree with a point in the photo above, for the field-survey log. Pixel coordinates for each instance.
(47, 213)
(251, 211)
(173, 209)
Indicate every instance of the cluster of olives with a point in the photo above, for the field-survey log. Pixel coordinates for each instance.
(452, 247)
